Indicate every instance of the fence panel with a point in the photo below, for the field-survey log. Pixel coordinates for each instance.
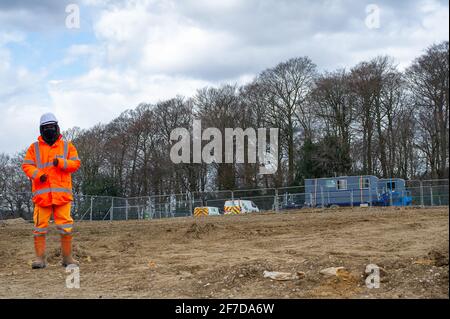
(263, 203)
(85, 207)
(175, 205)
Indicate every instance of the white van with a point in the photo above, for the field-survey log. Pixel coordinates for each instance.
(239, 206)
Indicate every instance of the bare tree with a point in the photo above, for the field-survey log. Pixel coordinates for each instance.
(288, 85)
(336, 109)
(219, 108)
(428, 79)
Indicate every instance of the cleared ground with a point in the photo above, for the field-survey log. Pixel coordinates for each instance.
(225, 256)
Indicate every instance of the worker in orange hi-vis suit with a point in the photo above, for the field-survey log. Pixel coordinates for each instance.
(49, 163)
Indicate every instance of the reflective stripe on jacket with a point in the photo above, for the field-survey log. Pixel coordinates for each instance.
(57, 190)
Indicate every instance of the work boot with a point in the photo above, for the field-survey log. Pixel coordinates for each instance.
(66, 251)
(39, 247)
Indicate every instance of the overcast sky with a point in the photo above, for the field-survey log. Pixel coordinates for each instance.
(128, 52)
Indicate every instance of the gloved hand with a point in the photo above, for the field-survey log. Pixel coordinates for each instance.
(43, 178)
(55, 162)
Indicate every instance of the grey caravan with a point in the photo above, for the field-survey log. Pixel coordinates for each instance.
(341, 191)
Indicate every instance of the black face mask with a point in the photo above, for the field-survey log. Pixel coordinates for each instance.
(50, 133)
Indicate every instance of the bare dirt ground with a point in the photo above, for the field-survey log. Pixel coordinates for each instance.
(225, 256)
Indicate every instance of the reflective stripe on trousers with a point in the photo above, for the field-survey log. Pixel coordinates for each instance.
(64, 226)
(65, 229)
(64, 232)
(37, 229)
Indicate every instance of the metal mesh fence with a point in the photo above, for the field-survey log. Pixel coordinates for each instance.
(429, 192)
(86, 207)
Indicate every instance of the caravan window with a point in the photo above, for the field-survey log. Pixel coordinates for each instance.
(342, 184)
(391, 186)
(330, 183)
(364, 183)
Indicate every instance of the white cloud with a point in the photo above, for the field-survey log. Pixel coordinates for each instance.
(141, 56)
(8, 37)
(19, 98)
(102, 94)
(163, 41)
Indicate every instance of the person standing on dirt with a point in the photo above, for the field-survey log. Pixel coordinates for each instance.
(49, 163)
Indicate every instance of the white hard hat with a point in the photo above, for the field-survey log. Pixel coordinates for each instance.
(48, 118)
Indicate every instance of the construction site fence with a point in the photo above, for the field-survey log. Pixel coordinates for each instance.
(419, 193)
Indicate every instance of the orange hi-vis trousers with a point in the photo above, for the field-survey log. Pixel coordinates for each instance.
(61, 215)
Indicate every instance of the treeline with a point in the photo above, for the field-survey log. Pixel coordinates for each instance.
(370, 119)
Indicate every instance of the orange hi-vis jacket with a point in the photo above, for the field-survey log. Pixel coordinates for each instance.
(57, 190)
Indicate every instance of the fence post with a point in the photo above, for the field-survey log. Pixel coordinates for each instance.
(191, 196)
(276, 200)
(126, 209)
(321, 196)
(90, 214)
(370, 193)
(391, 202)
(431, 195)
(111, 217)
(232, 197)
(422, 203)
(351, 198)
(150, 207)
